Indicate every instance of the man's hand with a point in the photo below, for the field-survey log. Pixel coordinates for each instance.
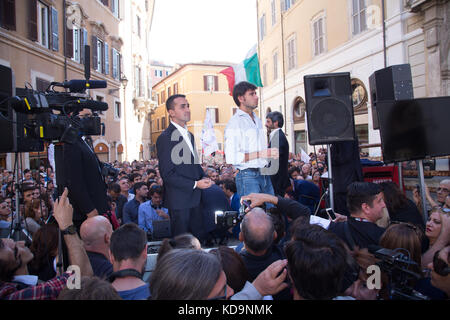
(204, 183)
(340, 218)
(257, 199)
(63, 211)
(162, 214)
(267, 282)
(93, 213)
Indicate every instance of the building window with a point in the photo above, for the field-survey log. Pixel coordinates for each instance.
(160, 73)
(299, 109)
(138, 26)
(163, 123)
(291, 53)
(214, 114)
(8, 14)
(286, 4)
(275, 66)
(43, 27)
(115, 8)
(157, 124)
(138, 81)
(116, 64)
(76, 44)
(274, 12)
(262, 27)
(175, 88)
(117, 106)
(319, 36)
(210, 83)
(359, 16)
(100, 49)
(300, 141)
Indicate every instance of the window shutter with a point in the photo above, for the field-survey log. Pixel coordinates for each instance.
(84, 42)
(94, 52)
(205, 83)
(217, 114)
(69, 42)
(216, 83)
(32, 20)
(54, 24)
(106, 58)
(8, 14)
(114, 63)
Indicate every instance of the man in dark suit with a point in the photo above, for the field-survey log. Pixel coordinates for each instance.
(82, 176)
(280, 178)
(183, 177)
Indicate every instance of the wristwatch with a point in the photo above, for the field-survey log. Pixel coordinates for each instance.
(69, 230)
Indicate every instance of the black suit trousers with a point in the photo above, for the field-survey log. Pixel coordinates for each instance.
(189, 220)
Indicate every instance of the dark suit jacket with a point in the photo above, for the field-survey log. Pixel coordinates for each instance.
(179, 172)
(213, 199)
(87, 189)
(280, 181)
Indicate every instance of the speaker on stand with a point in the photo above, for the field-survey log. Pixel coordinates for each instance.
(329, 111)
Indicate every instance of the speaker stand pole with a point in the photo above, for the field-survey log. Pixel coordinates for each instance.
(330, 177)
(422, 190)
(400, 176)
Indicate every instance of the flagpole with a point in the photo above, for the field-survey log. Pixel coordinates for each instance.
(259, 58)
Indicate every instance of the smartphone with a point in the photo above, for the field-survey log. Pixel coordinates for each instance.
(330, 213)
(246, 203)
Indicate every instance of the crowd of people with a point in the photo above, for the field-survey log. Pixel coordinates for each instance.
(321, 261)
(289, 246)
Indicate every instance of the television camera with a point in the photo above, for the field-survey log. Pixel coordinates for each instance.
(397, 265)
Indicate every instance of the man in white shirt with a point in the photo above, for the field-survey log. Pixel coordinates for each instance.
(246, 146)
(181, 173)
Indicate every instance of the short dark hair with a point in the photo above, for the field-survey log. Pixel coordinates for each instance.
(234, 267)
(128, 242)
(361, 192)
(157, 190)
(170, 101)
(134, 176)
(276, 116)
(114, 187)
(292, 170)
(317, 261)
(151, 171)
(230, 185)
(92, 288)
(240, 89)
(138, 185)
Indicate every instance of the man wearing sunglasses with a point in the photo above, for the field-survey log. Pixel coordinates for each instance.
(440, 274)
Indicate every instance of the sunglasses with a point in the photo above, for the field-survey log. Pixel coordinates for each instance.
(440, 266)
(439, 189)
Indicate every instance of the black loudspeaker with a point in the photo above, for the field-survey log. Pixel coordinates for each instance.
(388, 84)
(329, 108)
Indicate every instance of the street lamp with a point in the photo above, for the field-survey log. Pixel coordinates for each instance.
(124, 81)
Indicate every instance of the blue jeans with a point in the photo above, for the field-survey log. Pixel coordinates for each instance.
(251, 181)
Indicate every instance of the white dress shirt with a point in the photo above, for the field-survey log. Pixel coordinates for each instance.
(273, 133)
(185, 133)
(243, 135)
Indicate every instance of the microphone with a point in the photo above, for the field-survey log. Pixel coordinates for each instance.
(94, 105)
(80, 86)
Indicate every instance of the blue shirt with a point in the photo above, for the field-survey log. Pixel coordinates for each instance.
(147, 214)
(130, 211)
(139, 293)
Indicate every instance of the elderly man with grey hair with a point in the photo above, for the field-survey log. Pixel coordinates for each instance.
(441, 193)
(96, 235)
(258, 234)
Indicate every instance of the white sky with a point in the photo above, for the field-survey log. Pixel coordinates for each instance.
(194, 30)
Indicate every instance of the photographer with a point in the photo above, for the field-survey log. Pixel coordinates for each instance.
(82, 172)
(10, 260)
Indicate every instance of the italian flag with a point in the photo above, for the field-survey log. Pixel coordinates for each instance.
(247, 70)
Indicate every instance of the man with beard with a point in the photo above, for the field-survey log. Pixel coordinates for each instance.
(245, 144)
